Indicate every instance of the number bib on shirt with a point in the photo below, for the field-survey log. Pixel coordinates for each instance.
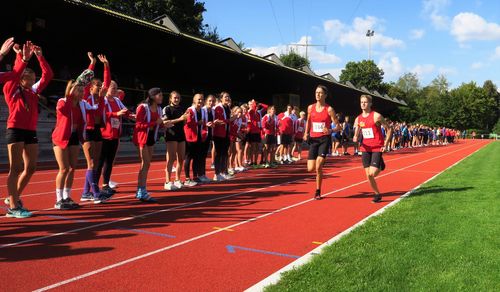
(115, 123)
(300, 129)
(318, 127)
(367, 133)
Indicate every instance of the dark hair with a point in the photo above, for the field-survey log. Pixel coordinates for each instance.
(324, 88)
(151, 95)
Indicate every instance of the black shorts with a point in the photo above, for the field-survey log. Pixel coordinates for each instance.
(94, 135)
(151, 138)
(171, 135)
(73, 139)
(20, 135)
(269, 140)
(286, 139)
(318, 147)
(372, 159)
(254, 138)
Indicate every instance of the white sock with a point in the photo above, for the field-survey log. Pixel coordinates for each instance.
(59, 194)
(66, 192)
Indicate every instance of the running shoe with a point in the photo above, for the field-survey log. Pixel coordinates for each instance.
(71, 203)
(317, 195)
(267, 165)
(273, 165)
(227, 176)
(18, 213)
(190, 183)
(218, 178)
(170, 186)
(62, 205)
(178, 184)
(231, 171)
(87, 197)
(7, 202)
(113, 184)
(204, 179)
(107, 189)
(377, 198)
(145, 197)
(101, 199)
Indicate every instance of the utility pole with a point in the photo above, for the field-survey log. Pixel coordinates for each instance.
(370, 34)
(307, 45)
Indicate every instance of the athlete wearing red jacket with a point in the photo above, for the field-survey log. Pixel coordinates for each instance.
(270, 127)
(147, 123)
(21, 95)
(196, 134)
(221, 137)
(368, 124)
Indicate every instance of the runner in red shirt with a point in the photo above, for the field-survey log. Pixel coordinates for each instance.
(369, 124)
(21, 93)
(254, 129)
(300, 126)
(286, 130)
(317, 133)
(269, 126)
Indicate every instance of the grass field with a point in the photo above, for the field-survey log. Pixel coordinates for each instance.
(444, 237)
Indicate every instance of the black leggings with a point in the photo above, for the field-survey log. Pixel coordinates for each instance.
(204, 154)
(194, 153)
(105, 166)
(221, 154)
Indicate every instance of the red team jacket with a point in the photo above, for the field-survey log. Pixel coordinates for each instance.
(90, 99)
(191, 125)
(23, 103)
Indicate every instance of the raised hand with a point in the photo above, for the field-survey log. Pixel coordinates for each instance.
(27, 51)
(91, 57)
(122, 112)
(17, 49)
(103, 58)
(7, 45)
(37, 50)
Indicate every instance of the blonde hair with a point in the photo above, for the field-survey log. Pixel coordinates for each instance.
(368, 97)
(70, 86)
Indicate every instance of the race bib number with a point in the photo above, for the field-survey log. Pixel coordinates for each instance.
(300, 129)
(367, 133)
(318, 127)
(115, 123)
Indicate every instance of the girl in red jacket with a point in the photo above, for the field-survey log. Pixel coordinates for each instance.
(113, 112)
(147, 124)
(221, 137)
(196, 134)
(21, 95)
(235, 136)
(269, 126)
(67, 135)
(93, 138)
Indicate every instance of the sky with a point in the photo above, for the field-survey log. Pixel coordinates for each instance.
(457, 38)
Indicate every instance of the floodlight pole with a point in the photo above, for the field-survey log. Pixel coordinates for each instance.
(369, 34)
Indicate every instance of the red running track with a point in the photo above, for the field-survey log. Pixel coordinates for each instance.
(217, 237)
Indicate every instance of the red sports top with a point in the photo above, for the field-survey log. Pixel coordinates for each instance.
(373, 140)
(254, 125)
(269, 125)
(300, 127)
(69, 119)
(92, 114)
(23, 102)
(285, 124)
(319, 120)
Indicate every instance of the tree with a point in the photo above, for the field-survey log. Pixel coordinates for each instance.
(186, 14)
(364, 73)
(243, 47)
(440, 83)
(408, 83)
(294, 60)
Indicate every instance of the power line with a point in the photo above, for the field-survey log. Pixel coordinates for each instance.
(276, 20)
(293, 16)
(355, 10)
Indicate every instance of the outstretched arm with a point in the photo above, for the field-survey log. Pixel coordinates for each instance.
(47, 73)
(6, 46)
(107, 71)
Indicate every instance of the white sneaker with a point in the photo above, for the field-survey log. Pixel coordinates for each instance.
(178, 184)
(218, 177)
(230, 171)
(190, 183)
(227, 176)
(112, 184)
(170, 186)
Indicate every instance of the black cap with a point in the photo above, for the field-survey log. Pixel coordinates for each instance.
(154, 91)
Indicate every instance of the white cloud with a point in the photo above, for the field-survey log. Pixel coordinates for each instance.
(496, 54)
(416, 34)
(391, 65)
(467, 26)
(477, 65)
(355, 35)
(314, 53)
(434, 10)
(447, 70)
(423, 70)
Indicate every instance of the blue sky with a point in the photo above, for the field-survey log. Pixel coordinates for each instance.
(460, 39)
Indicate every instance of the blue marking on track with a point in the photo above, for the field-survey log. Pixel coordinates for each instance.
(233, 248)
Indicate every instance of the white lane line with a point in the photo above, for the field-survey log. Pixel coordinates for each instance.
(106, 268)
(276, 276)
(186, 205)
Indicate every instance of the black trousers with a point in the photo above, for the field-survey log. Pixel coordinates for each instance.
(194, 154)
(221, 154)
(105, 165)
(204, 154)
